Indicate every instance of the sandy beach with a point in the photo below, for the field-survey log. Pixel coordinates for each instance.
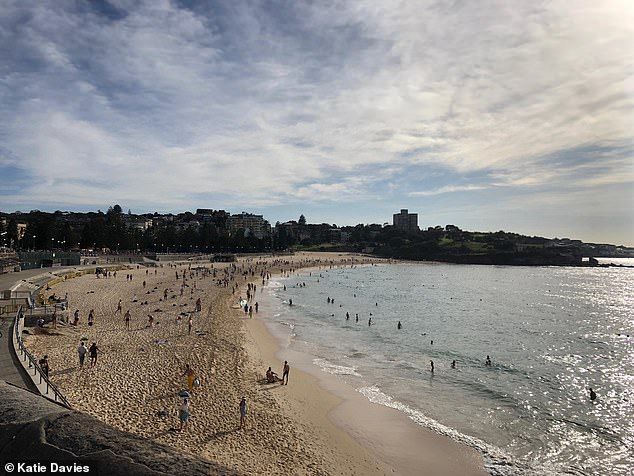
(311, 426)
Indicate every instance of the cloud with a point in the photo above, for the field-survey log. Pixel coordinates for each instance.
(447, 189)
(163, 105)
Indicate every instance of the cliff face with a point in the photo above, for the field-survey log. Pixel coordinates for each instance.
(34, 429)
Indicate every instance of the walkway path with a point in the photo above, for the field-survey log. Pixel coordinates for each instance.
(10, 368)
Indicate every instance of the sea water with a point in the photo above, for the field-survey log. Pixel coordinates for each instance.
(551, 333)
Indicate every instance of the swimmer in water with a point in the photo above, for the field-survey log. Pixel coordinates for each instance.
(593, 395)
(453, 364)
(398, 326)
(488, 361)
(431, 364)
(369, 322)
(347, 316)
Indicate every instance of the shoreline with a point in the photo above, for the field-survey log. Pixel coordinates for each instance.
(302, 428)
(395, 443)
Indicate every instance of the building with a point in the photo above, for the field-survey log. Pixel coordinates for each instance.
(21, 230)
(252, 224)
(139, 222)
(47, 259)
(405, 221)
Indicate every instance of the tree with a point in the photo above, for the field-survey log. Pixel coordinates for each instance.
(302, 220)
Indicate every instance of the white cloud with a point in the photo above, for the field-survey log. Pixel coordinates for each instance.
(447, 189)
(266, 107)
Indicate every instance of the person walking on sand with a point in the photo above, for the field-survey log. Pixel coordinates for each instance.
(184, 414)
(199, 305)
(127, 319)
(119, 308)
(190, 323)
(81, 351)
(285, 371)
(93, 354)
(189, 373)
(243, 412)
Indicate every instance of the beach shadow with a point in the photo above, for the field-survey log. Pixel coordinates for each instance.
(220, 434)
(271, 386)
(63, 371)
(161, 397)
(163, 433)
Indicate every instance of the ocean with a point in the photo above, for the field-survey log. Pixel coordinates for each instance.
(550, 332)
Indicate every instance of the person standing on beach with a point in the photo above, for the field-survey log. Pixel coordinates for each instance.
(81, 351)
(127, 319)
(243, 412)
(118, 307)
(257, 306)
(431, 364)
(199, 305)
(285, 371)
(44, 365)
(398, 326)
(54, 318)
(184, 414)
(190, 323)
(93, 354)
(189, 373)
(369, 322)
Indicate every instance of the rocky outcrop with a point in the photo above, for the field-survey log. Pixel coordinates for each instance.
(35, 429)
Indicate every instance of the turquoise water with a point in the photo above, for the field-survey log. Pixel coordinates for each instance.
(550, 332)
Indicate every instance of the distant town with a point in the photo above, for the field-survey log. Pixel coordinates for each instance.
(29, 239)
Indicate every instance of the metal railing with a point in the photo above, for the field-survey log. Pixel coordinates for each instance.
(37, 370)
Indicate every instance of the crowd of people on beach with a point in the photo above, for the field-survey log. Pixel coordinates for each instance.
(235, 276)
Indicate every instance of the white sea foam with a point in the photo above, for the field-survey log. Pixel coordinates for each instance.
(334, 369)
(496, 461)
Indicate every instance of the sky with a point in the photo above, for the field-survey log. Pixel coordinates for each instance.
(490, 115)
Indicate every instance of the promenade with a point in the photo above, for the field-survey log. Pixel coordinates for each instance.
(11, 370)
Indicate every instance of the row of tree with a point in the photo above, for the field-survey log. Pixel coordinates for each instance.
(44, 231)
